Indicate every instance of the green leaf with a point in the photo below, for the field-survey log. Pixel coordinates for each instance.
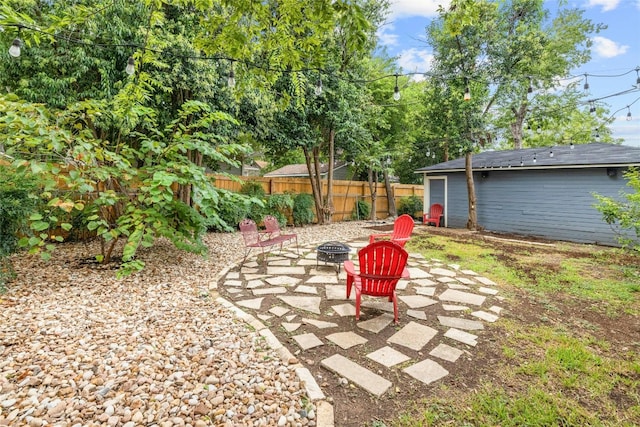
(66, 226)
(40, 225)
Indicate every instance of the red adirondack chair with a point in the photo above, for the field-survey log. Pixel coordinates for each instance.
(382, 265)
(434, 216)
(402, 229)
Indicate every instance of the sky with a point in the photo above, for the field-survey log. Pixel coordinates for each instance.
(615, 53)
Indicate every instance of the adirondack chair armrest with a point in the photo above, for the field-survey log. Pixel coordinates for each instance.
(350, 268)
(374, 237)
(405, 273)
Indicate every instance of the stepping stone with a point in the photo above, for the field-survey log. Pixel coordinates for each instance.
(466, 281)
(486, 281)
(458, 323)
(446, 352)
(279, 311)
(233, 275)
(338, 292)
(251, 284)
(234, 290)
(276, 271)
(290, 327)
(325, 279)
(458, 286)
(469, 272)
(485, 316)
(251, 303)
(291, 317)
(388, 356)
(454, 266)
(283, 281)
(251, 264)
(364, 378)
(311, 304)
(424, 282)
(442, 272)
(418, 273)
(344, 310)
(254, 276)
(306, 262)
(462, 297)
(462, 336)
(245, 270)
(307, 341)
(488, 291)
(328, 270)
(264, 317)
(495, 309)
(236, 283)
(446, 279)
(402, 285)
(346, 339)
(449, 307)
(426, 291)
(315, 394)
(421, 315)
(306, 289)
(376, 304)
(417, 301)
(320, 324)
(376, 324)
(270, 291)
(283, 262)
(310, 255)
(413, 335)
(426, 371)
(416, 255)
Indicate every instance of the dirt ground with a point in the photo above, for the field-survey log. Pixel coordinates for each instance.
(356, 408)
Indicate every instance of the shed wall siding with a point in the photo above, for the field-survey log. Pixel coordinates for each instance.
(554, 204)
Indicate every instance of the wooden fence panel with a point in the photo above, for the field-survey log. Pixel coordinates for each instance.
(345, 193)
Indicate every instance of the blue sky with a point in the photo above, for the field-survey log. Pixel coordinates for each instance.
(615, 51)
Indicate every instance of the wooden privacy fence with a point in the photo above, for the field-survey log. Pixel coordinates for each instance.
(345, 193)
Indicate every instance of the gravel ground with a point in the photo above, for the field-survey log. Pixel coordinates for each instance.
(79, 347)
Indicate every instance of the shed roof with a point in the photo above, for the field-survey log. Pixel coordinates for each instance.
(564, 156)
(299, 170)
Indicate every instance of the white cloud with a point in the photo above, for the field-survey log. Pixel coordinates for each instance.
(386, 38)
(607, 48)
(607, 5)
(415, 60)
(408, 8)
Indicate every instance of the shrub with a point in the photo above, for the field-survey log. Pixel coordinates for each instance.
(303, 212)
(411, 205)
(362, 210)
(280, 206)
(253, 189)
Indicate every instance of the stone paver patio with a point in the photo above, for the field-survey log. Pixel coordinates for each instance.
(443, 312)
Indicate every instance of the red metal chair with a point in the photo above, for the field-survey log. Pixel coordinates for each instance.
(434, 216)
(263, 240)
(382, 265)
(402, 229)
(272, 231)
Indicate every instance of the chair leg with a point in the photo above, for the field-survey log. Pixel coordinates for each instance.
(358, 298)
(349, 284)
(395, 308)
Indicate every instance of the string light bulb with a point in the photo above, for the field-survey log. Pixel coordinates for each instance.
(530, 88)
(638, 75)
(571, 146)
(318, 88)
(535, 159)
(628, 114)
(521, 161)
(467, 91)
(14, 50)
(131, 66)
(551, 152)
(396, 91)
(586, 82)
(231, 81)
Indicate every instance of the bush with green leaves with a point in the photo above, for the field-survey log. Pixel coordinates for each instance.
(411, 205)
(281, 207)
(303, 209)
(362, 210)
(624, 213)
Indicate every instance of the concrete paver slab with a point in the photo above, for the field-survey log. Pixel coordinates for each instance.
(376, 324)
(424, 282)
(254, 276)
(488, 291)
(346, 340)
(462, 336)
(418, 273)
(290, 327)
(311, 304)
(264, 317)
(446, 279)
(371, 382)
(442, 272)
(402, 285)
(324, 279)
(251, 284)
(320, 324)
(485, 281)
(454, 295)
(338, 292)
(388, 356)
(417, 301)
(306, 262)
(283, 281)
(451, 307)
(466, 281)
(446, 352)
(280, 262)
(458, 286)
(496, 309)
(279, 310)
(376, 303)
(426, 291)
(291, 317)
(485, 316)
(306, 289)
(236, 283)
(426, 371)
(286, 271)
(416, 314)
(311, 386)
(269, 291)
(413, 335)
(459, 323)
(254, 303)
(307, 341)
(344, 309)
(469, 272)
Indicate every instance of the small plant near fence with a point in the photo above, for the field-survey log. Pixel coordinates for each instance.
(411, 205)
(362, 210)
(303, 209)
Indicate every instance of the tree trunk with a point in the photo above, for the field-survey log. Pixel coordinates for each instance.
(373, 189)
(391, 201)
(315, 189)
(472, 221)
(516, 126)
(328, 208)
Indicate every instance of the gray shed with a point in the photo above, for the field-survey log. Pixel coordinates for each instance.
(545, 192)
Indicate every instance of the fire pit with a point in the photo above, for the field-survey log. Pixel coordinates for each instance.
(333, 252)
